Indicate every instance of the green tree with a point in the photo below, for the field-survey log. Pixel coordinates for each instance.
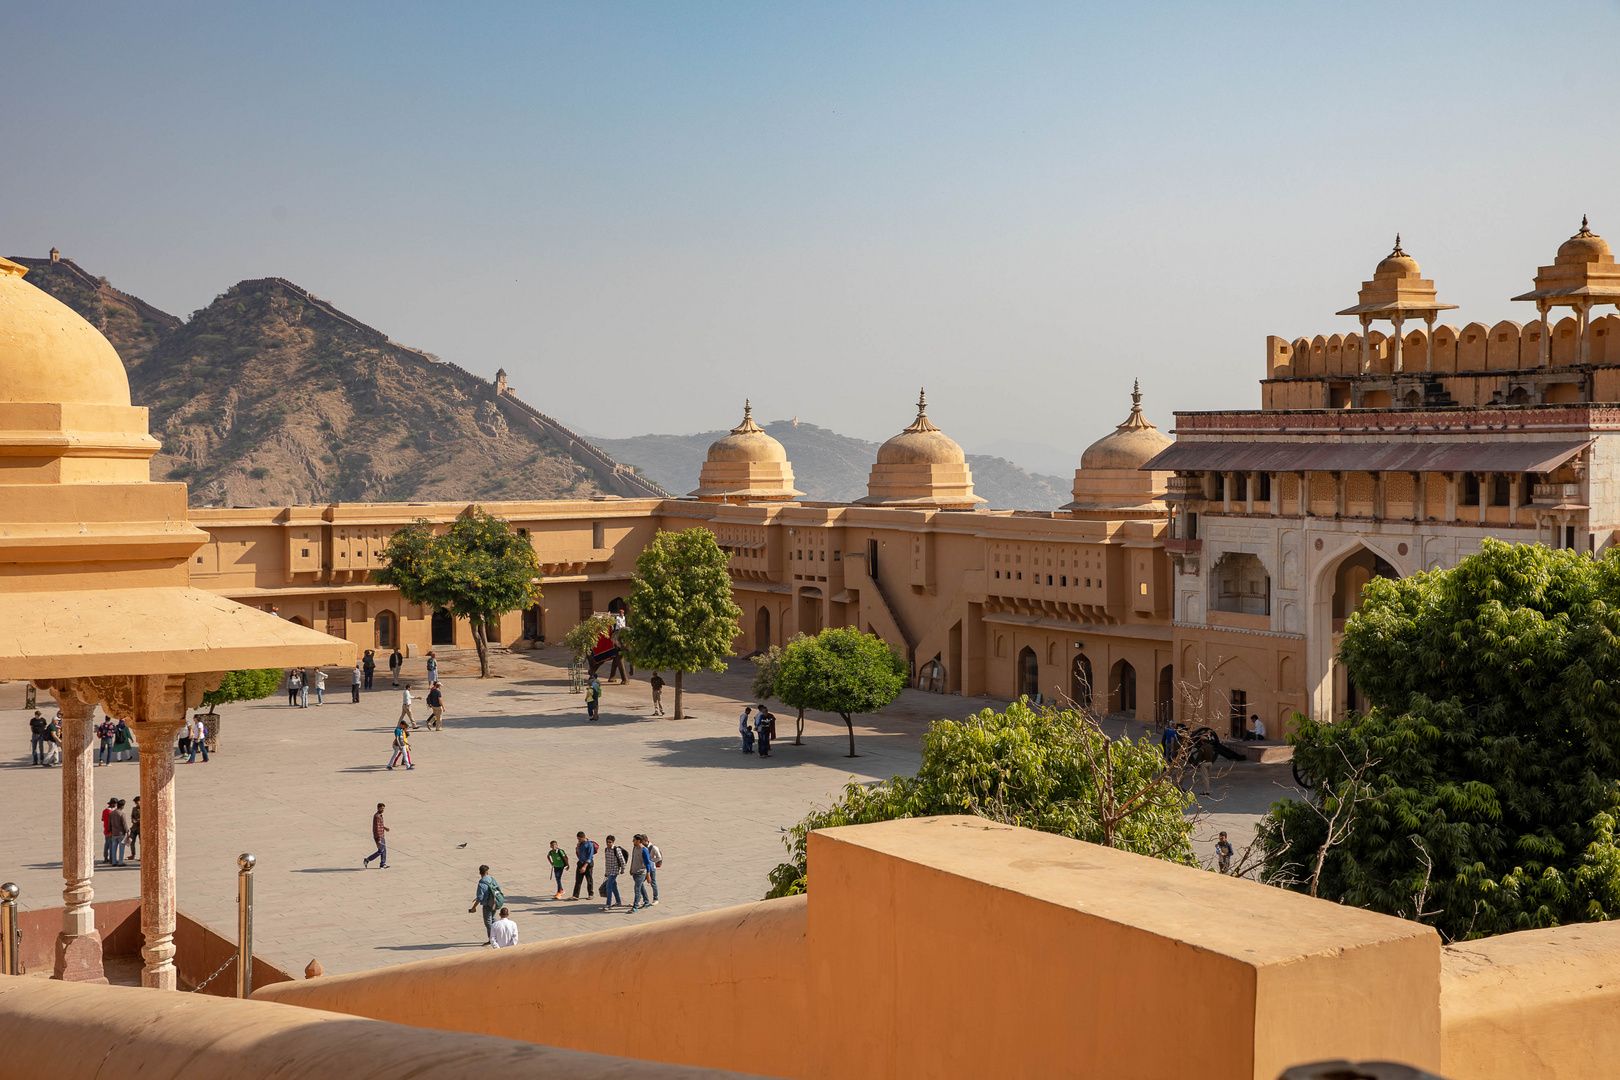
(1048, 769)
(681, 614)
(250, 685)
(1480, 792)
(768, 665)
(840, 670)
(478, 569)
(584, 636)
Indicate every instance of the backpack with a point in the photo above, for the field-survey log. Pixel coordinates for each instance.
(624, 856)
(494, 899)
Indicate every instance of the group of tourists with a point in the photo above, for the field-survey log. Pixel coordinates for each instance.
(114, 740)
(641, 863)
(300, 681)
(45, 739)
(760, 729)
(117, 830)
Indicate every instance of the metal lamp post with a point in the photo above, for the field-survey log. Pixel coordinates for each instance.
(244, 924)
(10, 936)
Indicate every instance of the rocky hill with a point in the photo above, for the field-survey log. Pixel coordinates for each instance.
(829, 467)
(272, 396)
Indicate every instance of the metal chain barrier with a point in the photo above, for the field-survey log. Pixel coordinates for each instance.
(215, 975)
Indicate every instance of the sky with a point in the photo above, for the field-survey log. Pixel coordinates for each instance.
(646, 213)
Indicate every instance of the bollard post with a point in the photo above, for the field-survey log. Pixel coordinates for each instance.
(10, 934)
(244, 925)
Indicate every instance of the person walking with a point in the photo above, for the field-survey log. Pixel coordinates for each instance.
(53, 741)
(135, 828)
(118, 829)
(36, 736)
(488, 897)
(503, 932)
(295, 679)
(1223, 853)
(199, 739)
(435, 700)
(405, 700)
(746, 729)
(593, 698)
(124, 740)
(183, 748)
(354, 684)
(433, 667)
(558, 858)
(396, 660)
(379, 834)
(320, 686)
(402, 747)
(584, 866)
(657, 861)
(104, 735)
(614, 861)
(765, 726)
(106, 831)
(640, 867)
(369, 666)
(657, 684)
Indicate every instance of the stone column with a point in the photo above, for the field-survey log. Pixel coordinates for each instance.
(78, 946)
(1339, 494)
(1544, 348)
(1379, 494)
(1583, 332)
(157, 739)
(1304, 494)
(1366, 324)
(1514, 480)
(1226, 492)
(1428, 358)
(1251, 481)
(1484, 493)
(1420, 497)
(1395, 349)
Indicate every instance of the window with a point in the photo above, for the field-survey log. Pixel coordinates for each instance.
(998, 573)
(598, 534)
(1049, 579)
(1469, 495)
(1239, 584)
(1020, 575)
(1239, 713)
(1063, 580)
(303, 553)
(1264, 485)
(1142, 588)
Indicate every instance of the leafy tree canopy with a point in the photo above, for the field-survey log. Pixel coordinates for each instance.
(681, 617)
(1490, 759)
(1038, 768)
(840, 670)
(585, 634)
(248, 685)
(479, 569)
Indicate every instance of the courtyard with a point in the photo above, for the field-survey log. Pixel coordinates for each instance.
(516, 766)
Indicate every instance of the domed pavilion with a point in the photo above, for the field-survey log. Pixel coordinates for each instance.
(1110, 484)
(1397, 291)
(921, 467)
(1583, 274)
(746, 465)
(97, 605)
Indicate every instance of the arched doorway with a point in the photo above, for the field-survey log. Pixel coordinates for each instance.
(1029, 673)
(1080, 681)
(387, 630)
(298, 620)
(1336, 595)
(444, 628)
(932, 677)
(762, 629)
(1122, 688)
(617, 606)
(810, 612)
(1166, 704)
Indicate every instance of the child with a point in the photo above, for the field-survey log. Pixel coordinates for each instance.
(402, 746)
(559, 862)
(1223, 852)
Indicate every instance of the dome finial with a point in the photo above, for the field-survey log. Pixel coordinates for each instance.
(747, 426)
(922, 401)
(1135, 421)
(1584, 230)
(921, 423)
(748, 409)
(1397, 250)
(1136, 394)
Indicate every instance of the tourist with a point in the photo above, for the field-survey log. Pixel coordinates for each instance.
(657, 861)
(396, 660)
(614, 861)
(1203, 755)
(746, 729)
(1257, 728)
(503, 931)
(1223, 852)
(199, 739)
(402, 745)
(53, 740)
(369, 666)
(135, 828)
(432, 666)
(593, 698)
(320, 686)
(558, 858)
(304, 679)
(405, 716)
(584, 866)
(1168, 742)
(184, 746)
(489, 897)
(118, 826)
(104, 733)
(435, 700)
(354, 684)
(106, 831)
(765, 727)
(640, 864)
(124, 741)
(36, 736)
(657, 684)
(295, 680)
(379, 834)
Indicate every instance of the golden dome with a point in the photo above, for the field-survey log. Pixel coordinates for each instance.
(48, 353)
(921, 444)
(1398, 263)
(1130, 445)
(747, 442)
(1584, 247)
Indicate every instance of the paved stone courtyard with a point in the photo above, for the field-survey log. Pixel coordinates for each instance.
(516, 766)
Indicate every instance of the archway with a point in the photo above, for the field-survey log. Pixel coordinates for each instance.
(1122, 688)
(1029, 673)
(298, 620)
(762, 629)
(931, 677)
(1335, 594)
(387, 630)
(1080, 681)
(617, 606)
(810, 612)
(1165, 706)
(444, 628)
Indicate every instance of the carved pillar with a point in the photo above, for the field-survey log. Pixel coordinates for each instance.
(1484, 493)
(1453, 481)
(1420, 497)
(1544, 347)
(1379, 494)
(1428, 356)
(1366, 327)
(78, 945)
(1251, 481)
(1339, 494)
(1304, 494)
(1514, 497)
(1395, 350)
(1226, 492)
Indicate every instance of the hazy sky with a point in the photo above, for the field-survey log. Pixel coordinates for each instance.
(647, 212)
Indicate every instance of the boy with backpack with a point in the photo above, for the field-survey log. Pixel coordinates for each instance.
(490, 898)
(559, 862)
(614, 862)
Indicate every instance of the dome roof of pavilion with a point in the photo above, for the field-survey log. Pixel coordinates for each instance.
(48, 353)
(1130, 445)
(921, 444)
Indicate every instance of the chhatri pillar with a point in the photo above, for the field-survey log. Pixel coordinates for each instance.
(78, 945)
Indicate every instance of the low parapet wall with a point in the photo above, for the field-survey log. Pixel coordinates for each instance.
(725, 988)
(72, 1031)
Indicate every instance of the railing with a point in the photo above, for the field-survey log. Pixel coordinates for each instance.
(1553, 494)
(1184, 489)
(1183, 547)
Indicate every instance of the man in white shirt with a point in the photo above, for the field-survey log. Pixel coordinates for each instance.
(1257, 728)
(405, 716)
(503, 931)
(197, 732)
